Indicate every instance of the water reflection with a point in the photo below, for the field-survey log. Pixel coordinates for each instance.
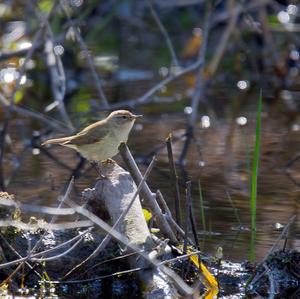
(220, 159)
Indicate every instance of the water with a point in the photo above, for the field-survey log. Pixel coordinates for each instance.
(220, 159)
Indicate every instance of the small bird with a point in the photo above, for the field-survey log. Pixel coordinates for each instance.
(100, 141)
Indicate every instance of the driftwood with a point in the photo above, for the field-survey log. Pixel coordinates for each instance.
(117, 192)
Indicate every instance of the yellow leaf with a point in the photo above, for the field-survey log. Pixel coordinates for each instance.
(147, 215)
(209, 280)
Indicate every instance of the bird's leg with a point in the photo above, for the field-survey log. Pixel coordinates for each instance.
(97, 166)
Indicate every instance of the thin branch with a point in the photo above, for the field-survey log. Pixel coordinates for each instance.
(87, 54)
(239, 9)
(146, 97)
(168, 216)
(198, 94)
(146, 192)
(80, 235)
(51, 122)
(222, 45)
(56, 69)
(36, 209)
(164, 33)
(55, 257)
(271, 281)
(174, 179)
(44, 225)
(280, 237)
(187, 210)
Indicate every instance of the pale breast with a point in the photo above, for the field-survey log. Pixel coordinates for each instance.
(102, 150)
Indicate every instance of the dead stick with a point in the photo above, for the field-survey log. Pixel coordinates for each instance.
(174, 179)
(146, 192)
(170, 219)
(186, 222)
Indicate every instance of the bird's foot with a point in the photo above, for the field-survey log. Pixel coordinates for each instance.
(109, 161)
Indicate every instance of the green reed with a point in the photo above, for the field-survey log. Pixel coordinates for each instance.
(255, 163)
(202, 211)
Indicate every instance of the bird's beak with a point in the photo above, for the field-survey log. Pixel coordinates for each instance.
(136, 116)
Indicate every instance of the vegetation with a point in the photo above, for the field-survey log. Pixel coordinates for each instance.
(194, 69)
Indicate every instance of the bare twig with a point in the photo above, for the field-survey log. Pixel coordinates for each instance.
(280, 237)
(53, 123)
(186, 222)
(198, 94)
(239, 9)
(222, 45)
(51, 258)
(146, 97)
(271, 281)
(58, 79)
(80, 235)
(162, 203)
(56, 69)
(164, 33)
(87, 54)
(44, 225)
(36, 209)
(168, 216)
(146, 192)
(174, 180)
(175, 3)
(193, 224)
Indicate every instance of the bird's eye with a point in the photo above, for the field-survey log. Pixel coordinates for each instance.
(124, 117)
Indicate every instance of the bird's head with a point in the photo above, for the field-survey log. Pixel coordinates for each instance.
(122, 118)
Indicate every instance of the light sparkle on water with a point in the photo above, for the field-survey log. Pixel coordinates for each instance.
(205, 121)
(294, 55)
(292, 9)
(283, 17)
(188, 110)
(241, 120)
(243, 84)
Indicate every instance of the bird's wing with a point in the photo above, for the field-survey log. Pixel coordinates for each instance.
(90, 134)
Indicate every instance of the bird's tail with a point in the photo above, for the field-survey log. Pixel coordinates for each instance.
(57, 140)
